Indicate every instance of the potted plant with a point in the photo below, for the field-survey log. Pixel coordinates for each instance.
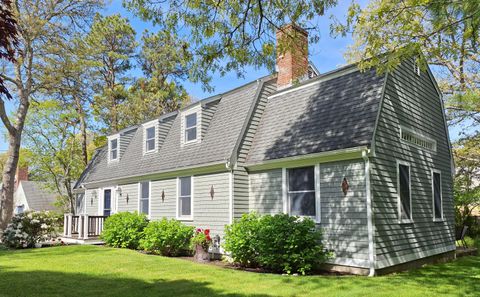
(201, 241)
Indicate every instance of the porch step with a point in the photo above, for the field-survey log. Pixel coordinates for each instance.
(91, 241)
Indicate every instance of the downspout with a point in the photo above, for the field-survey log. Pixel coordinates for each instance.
(370, 226)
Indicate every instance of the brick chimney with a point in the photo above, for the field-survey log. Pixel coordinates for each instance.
(22, 174)
(292, 55)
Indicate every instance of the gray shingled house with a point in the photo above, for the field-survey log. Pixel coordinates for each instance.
(366, 156)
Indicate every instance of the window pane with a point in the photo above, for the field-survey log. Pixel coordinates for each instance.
(145, 191)
(151, 132)
(302, 204)
(150, 145)
(144, 206)
(404, 192)
(437, 198)
(191, 134)
(185, 186)
(185, 206)
(301, 179)
(113, 154)
(113, 144)
(191, 120)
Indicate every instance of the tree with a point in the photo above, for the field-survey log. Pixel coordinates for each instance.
(446, 32)
(467, 178)
(165, 62)
(38, 22)
(8, 40)
(51, 134)
(107, 50)
(228, 35)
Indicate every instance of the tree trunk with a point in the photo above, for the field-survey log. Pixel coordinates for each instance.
(8, 180)
(83, 129)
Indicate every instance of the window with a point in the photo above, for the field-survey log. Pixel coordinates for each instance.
(114, 149)
(150, 144)
(191, 127)
(437, 195)
(417, 139)
(416, 67)
(144, 197)
(301, 192)
(404, 193)
(185, 197)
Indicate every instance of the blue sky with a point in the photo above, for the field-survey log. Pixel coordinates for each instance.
(327, 55)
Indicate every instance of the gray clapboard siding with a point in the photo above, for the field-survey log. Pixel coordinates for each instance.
(125, 138)
(166, 208)
(343, 217)
(91, 201)
(410, 101)
(240, 175)
(163, 129)
(130, 190)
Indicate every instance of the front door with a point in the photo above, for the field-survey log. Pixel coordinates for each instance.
(107, 202)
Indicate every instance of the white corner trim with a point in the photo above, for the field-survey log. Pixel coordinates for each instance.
(284, 190)
(231, 197)
(370, 225)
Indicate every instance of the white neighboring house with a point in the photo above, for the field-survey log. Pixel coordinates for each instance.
(33, 195)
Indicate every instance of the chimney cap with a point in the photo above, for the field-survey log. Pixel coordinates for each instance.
(295, 27)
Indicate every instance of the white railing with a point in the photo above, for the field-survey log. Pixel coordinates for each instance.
(82, 226)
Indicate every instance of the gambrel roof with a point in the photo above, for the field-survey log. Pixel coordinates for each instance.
(333, 111)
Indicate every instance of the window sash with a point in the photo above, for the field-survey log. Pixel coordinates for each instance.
(185, 197)
(301, 187)
(437, 196)
(150, 144)
(404, 192)
(113, 149)
(193, 123)
(144, 200)
(191, 136)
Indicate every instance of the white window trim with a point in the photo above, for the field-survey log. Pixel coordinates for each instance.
(399, 200)
(285, 196)
(149, 197)
(416, 67)
(101, 196)
(178, 216)
(198, 110)
(109, 140)
(420, 136)
(145, 127)
(433, 196)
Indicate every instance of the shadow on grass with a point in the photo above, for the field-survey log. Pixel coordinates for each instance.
(48, 283)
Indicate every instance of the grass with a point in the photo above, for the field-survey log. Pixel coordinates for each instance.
(102, 271)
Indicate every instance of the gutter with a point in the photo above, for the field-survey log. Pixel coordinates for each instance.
(370, 223)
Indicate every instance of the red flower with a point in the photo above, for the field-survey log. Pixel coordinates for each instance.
(199, 230)
(207, 232)
(208, 238)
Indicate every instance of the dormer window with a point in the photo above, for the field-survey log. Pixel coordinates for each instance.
(191, 127)
(150, 137)
(113, 148)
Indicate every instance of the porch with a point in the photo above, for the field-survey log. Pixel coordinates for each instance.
(83, 229)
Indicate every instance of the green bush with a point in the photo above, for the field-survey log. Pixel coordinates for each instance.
(279, 243)
(167, 238)
(124, 229)
(28, 228)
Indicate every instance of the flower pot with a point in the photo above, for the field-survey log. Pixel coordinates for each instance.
(201, 255)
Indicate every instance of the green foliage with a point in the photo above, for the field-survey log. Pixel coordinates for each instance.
(229, 35)
(28, 228)
(201, 237)
(279, 243)
(447, 33)
(166, 237)
(124, 229)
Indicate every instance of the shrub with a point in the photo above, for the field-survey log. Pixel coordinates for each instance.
(167, 238)
(29, 228)
(279, 243)
(202, 237)
(124, 229)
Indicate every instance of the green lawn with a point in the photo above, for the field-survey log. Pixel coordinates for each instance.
(101, 271)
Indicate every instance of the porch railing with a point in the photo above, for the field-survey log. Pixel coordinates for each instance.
(83, 226)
